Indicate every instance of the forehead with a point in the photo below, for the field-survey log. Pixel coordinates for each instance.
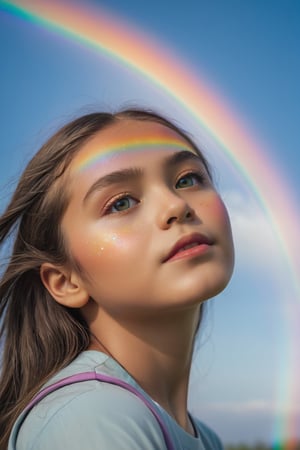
(126, 138)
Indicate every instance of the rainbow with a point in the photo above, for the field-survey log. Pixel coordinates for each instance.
(107, 34)
(128, 146)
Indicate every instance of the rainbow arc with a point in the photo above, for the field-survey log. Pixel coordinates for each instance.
(111, 36)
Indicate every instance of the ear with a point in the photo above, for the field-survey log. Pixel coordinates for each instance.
(64, 285)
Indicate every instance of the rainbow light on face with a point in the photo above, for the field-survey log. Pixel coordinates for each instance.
(86, 160)
(107, 34)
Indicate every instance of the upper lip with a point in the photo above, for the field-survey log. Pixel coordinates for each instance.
(196, 238)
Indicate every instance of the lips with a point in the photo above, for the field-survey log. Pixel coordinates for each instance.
(189, 245)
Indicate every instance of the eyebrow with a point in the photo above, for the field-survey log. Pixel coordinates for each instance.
(117, 177)
(134, 173)
(184, 155)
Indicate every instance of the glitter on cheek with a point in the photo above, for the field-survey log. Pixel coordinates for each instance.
(108, 241)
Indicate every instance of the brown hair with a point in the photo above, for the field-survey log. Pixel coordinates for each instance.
(40, 336)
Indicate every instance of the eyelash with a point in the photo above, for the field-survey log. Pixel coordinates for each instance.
(108, 207)
(200, 177)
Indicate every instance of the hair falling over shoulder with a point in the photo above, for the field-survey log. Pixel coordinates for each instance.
(38, 335)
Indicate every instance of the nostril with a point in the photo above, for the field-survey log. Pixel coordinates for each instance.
(171, 220)
(188, 215)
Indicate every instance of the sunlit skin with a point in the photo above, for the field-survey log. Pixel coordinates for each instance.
(143, 308)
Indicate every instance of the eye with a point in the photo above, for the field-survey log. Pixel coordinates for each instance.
(120, 204)
(189, 179)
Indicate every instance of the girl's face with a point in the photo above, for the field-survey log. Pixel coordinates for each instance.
(144, 221)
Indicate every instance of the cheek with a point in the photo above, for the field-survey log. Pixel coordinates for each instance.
(216, 211)
(221, 218)
(219, 212)
(103, 249)
(218, 218)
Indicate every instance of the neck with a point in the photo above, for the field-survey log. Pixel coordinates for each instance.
(157, 353)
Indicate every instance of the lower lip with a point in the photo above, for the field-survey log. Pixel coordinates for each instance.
(190, 252)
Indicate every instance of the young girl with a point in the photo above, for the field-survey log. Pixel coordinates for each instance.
(119, 237)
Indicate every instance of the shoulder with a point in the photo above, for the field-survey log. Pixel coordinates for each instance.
(81, 416)
(210, 439)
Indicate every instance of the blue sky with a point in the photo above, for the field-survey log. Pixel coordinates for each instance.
(249, 52)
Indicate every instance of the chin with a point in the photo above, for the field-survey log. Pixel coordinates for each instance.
(200, 290)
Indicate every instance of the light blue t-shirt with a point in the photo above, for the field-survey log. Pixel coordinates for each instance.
(99, 416)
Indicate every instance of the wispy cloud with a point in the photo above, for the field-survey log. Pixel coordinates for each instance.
(255, 241)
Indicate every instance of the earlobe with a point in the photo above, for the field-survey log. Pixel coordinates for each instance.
(64, 285)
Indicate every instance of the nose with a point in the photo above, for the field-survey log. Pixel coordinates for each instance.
(174, 209)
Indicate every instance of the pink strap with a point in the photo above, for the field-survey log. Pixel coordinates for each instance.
(86, 376)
